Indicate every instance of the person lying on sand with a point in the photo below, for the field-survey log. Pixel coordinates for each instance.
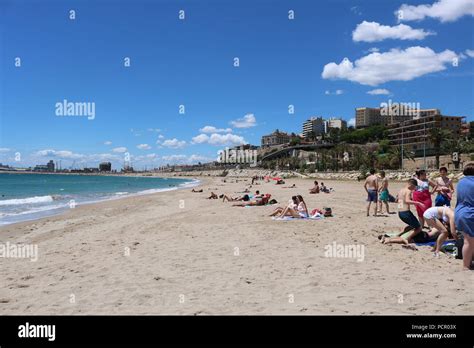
(300, 212)
(292, 203)
(325, 189)
(292, 186)
(315, 189)
(212, 196)
(199, 191)
(261, 201)
(245, 198)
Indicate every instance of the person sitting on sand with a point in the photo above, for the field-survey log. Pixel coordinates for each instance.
(280, 182)
(199, 191)
(405, 201)
(292, 203)
(300, 212)
(212, 196)
(315, 189)
(326, 189)
(436, 218)
(260, 201)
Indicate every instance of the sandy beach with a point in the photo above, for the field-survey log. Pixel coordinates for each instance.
(178, 253)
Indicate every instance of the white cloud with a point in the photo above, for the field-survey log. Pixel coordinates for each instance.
(212, 129)
(183, 159)
(120, 149)
(373, 49)
(200, 139)
(174, 158)
(161, 136)
(226, 139)
(144, 147)
(245, 122)
(108, 142)
(379, 91)
(154, 130)
(219, 139)
(336, 92)
(394, 65)
(59, 154)
(356, 10)
(373, 32)
(443, 10)
(470, 53)
(351, 122)
(4, 149)
(174, 143)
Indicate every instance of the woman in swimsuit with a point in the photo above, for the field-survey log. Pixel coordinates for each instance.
(422, 194)
(293, 203)
(438, 218)
(300, 212)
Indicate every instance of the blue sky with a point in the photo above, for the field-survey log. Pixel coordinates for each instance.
(190, 62)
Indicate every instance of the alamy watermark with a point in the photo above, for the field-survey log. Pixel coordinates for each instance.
(348, 251)
(66, 108)
(400, 109)
(236, 156)
(20, 251)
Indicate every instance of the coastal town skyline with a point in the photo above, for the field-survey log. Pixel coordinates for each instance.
(173, 90)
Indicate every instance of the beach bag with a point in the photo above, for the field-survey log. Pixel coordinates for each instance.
(327, 212)
(316, 211)
(273, 201)
(391, 199)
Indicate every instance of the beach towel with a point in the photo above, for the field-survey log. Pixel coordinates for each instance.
(290, 218)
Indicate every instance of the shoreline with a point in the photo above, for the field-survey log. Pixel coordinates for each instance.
(189, 183)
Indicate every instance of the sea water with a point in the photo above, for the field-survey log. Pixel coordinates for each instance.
(31, 196)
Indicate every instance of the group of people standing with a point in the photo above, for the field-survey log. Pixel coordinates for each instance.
(441, 221)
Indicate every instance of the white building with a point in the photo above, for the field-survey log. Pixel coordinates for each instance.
(334, 122)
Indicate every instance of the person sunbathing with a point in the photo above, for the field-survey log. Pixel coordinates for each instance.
(199, 191)
(300, 212)
(292, 203)
(245, 198)
(315, 189)
(212, 196)
(292, 186)
(261, 201)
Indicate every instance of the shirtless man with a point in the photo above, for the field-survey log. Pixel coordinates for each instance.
(383, 193)
(405, 201)
(371, 186)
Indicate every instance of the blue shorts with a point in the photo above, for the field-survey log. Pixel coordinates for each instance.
(372, 195)
(442, 200)
(408, 218)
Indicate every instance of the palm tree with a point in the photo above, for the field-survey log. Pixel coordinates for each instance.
(395, 155)
(439, 137)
